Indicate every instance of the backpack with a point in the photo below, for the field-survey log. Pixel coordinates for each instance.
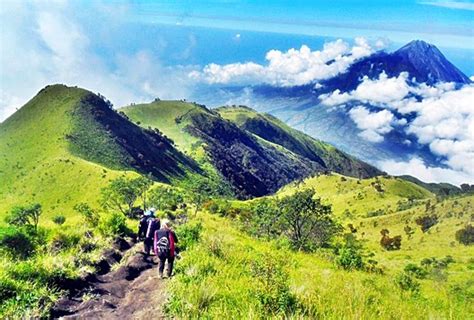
(163, 245)
(153, 225)
(142, 227)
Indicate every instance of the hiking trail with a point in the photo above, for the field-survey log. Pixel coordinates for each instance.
(131, 291)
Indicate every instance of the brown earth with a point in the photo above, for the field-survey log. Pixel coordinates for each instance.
(131, 291)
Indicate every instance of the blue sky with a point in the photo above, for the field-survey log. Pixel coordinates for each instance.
(134, 50)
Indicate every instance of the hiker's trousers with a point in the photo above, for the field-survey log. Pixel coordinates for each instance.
(147, 245)
(161, 267)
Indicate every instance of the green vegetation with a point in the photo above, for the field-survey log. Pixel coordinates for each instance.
(331, 246)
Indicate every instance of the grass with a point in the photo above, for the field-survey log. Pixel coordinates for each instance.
(215, 279)
(36, 164)
(360, 197)
(162, 115)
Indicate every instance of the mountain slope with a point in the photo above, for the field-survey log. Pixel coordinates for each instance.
(271, 129)
(66, 143)
(254, 164)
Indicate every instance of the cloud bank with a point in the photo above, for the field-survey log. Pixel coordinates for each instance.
(46, 43)
(441, 117)
(291, 68)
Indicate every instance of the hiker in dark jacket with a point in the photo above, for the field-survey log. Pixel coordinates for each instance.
(165, 240)
(150, 225)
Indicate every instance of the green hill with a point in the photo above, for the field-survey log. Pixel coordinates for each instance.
(66, 143)
(253, 162)
(352, 198)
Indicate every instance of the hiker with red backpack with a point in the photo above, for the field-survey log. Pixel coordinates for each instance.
(147, 226)
(164, 245)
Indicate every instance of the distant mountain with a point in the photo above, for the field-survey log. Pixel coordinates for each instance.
(256, 154)
(423, 62)
(300, 106)
(441, 189)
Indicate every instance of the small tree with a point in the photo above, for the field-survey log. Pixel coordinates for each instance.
(307, 221)
(266, 218)
(409, 231)
(390, 243)
(166, 198)
(465, 235)
(25, 216)
(426, 222)
(143, 184)
(90, 215)
(59, 219)
(122, 193)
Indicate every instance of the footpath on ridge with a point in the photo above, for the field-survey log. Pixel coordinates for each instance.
(131, 291)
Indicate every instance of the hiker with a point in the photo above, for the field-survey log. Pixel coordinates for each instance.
(165, 240)
(147, 227)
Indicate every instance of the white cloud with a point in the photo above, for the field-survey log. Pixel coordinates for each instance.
(446, 124)
(443, 116)
(373, 124)
(417, 168)
(290, 68)
(45, 43)
(383, 90)
(462, 5)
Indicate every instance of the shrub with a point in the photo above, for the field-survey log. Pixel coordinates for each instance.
(390, 243)
(426, 222)
(349, 258)
(465, 235)
(62, 241)
(91, 217)
(114, 225)
(188, 234)
(406, 283)
(273, 291)
(59, 219)
(8, 288)
(416, 271)
(16, 242)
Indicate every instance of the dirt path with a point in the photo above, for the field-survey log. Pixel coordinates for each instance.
(132, 291)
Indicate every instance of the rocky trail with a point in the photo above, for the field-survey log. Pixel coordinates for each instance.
(131, 291)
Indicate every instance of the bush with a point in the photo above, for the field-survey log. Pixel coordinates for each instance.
(16, 242)
(465, 235)
(426, 222)
(59, 219)
(406, 283)
(416, 271)
(390, 243)
(188, 234)
(91, 217)
(114, 225)
(8, 288)
(273, 291)
(62, 241)
(349, 258)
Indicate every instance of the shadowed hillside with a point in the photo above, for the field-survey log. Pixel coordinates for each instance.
(256, 158)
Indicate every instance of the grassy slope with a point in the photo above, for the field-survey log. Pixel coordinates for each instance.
(215, 279)
(359, 196)
(35, 162)
(162, 115)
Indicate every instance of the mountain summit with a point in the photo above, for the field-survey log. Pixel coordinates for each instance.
(428, 64)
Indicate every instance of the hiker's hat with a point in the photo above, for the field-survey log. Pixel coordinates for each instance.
(152, 210)
(148, 213)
